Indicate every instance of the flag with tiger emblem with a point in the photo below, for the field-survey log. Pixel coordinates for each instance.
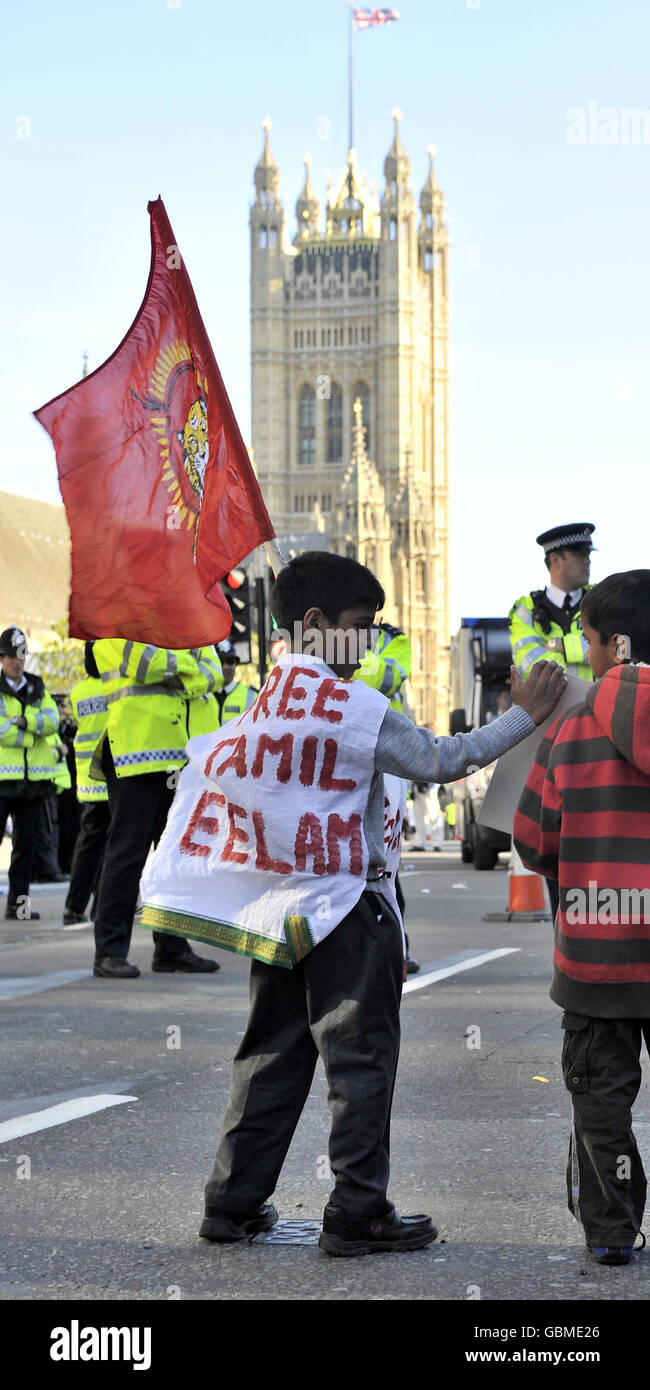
(158, 487)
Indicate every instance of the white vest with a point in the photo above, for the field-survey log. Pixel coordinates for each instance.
(264, 851)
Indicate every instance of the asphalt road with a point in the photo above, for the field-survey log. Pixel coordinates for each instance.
(106, 1202)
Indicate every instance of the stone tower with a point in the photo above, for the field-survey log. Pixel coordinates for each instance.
(349, 335)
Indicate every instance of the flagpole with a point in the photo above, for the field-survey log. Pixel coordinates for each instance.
(350, 81)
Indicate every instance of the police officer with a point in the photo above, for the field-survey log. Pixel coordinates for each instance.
(29, 719)
(91, 714)
(387, 666)
(545, 624)
(157, 699)
(234, 697)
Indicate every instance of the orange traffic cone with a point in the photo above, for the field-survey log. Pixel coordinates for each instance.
(526, 896)
(526, 888)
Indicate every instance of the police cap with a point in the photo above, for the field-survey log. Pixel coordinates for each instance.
(227, 652)
(576, 535)
(13, 642)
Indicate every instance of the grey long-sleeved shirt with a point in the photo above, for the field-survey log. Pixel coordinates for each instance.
(417, 754)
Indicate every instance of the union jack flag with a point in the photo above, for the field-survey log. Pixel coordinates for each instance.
(365, 19)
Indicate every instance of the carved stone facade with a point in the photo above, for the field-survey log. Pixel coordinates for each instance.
(350, 389)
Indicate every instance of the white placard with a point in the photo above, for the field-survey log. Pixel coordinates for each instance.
(508, 779)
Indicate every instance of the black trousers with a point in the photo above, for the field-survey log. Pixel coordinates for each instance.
(25, 813)
(139, 807)
(340, 1003)
(88, 854)
(46, 853)
(606, 1184)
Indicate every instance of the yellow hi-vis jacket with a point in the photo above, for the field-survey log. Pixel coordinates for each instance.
(239, 697)
(157, 699)
(60, 772)
(388, 665)
(533, 623)
(91, 714)
(26, 754)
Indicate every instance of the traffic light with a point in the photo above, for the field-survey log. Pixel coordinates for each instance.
(236, 589)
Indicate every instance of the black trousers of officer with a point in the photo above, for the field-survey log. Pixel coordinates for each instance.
(25, 812)
(139, 807)
(341, 1002)
(46, 852)
(606, 1184)
(85, 869)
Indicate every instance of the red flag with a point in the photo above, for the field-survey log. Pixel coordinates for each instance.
(157, 483)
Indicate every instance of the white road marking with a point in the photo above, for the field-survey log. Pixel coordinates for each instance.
(453, 965)
(14, 986)
(58, 1115)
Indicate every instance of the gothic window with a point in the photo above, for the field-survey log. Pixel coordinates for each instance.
(326, 505)
(420, 579)
(361, 391)
(428, 259)
(263, 238)
(392, 230)
(351, 551)
(273, 237)
(334, 445)
(429, 220)
(307, 425)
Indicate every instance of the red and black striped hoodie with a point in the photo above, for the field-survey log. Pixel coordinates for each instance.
(584, 818)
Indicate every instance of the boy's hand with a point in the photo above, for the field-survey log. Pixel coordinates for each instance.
(539, 694)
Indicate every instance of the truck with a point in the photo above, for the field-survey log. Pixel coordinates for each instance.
(480, 691)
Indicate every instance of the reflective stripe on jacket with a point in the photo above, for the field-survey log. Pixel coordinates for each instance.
(528, 641)
(157, 699)
(90, 710)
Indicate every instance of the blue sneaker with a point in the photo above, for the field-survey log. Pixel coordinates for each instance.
(614, 1254)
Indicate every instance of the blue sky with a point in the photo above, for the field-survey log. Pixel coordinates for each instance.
(550, 291)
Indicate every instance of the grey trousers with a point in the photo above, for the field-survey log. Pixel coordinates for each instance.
(340, 1003)
(606, 1184)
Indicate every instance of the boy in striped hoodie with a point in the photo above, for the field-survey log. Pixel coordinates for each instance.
(584, 819)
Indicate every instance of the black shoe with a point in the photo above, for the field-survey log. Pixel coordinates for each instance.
(342, 1235)
(115, 968)
(412, 966)
(14, 914)
(189, 960)
(52, 878)
(616, 1254)
(70, 917)
(230, 1225)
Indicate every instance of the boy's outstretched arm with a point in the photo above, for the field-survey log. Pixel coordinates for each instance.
(418, 754)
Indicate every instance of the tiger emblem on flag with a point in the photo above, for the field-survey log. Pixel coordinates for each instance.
(177, 400)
